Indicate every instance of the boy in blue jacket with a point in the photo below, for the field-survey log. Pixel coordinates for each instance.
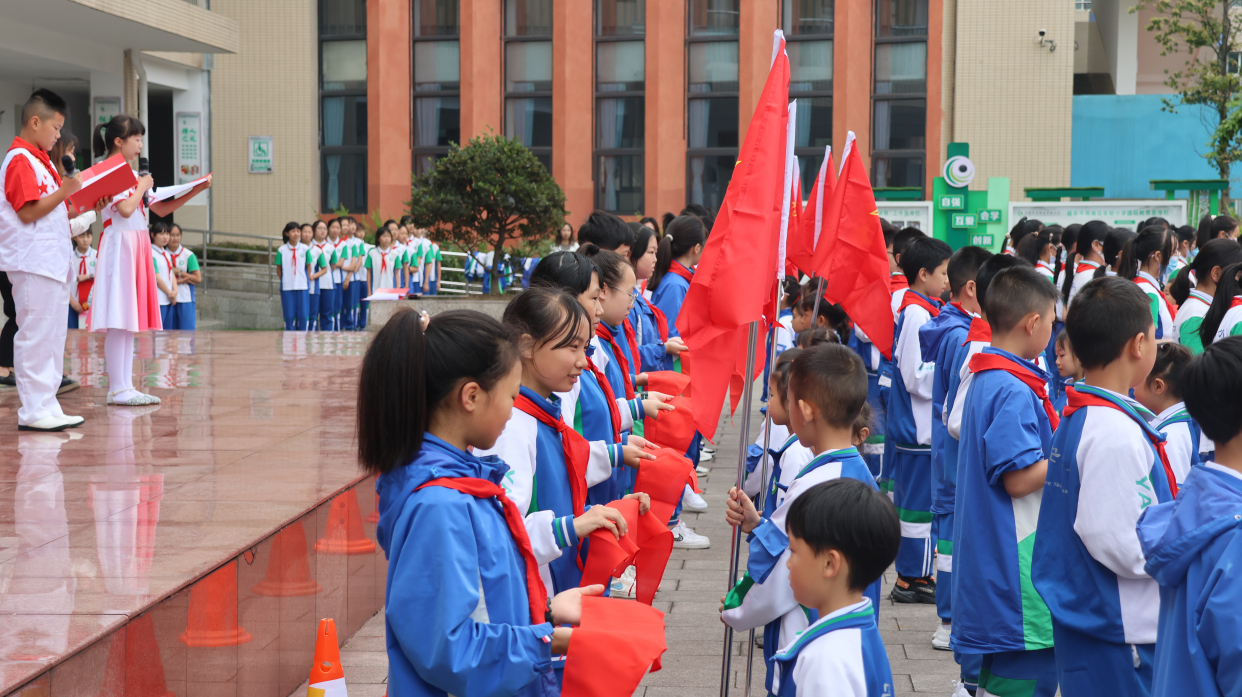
(1107, 465)
(1194, 544)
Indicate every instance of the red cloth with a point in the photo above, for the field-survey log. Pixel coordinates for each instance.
(1086, 266)
(679, 269)
(800, 245)
(613, 410)
(626, 380)
(647, 545)
(1140, 281)
(536, 593)
(632, 339)
(1237, 300)
(613, 648)
(991, 361)
(726, 293)
(664, 479)
(853, 256)
(913, 298)
(577, 450)
(21, 186)
(684, 359)
(668, 382)
(1077, 400)
(979, 330)
(897, 281)
(661, 322)
(84, 287)
(672, 428)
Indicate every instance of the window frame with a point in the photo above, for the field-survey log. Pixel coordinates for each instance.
(506, 39)
(438, 151)
(692, 152)
(808, 154)
(907, 153)
(597, 152)
(325, 150)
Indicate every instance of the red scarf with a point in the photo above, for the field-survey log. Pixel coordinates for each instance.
(536, 593)
(383, 261)
(660, 320)
(912, 298)
(979, 330)
(1139, 280)
(1084, 266)
(604, 333)
(981, 362)
(577, 450)
(40, 154)
(897, 281)
(1237, 300)
(84, 288)
(613, 410)
(679, 269)
(632, 339)
(1077, 400)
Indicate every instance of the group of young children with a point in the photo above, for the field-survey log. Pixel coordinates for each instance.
(327, 269)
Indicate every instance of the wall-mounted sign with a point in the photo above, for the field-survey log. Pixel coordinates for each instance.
(959, 171)
(189, 146)
(1115, 213)
(260, 154)
(904, 214)
(963, 220)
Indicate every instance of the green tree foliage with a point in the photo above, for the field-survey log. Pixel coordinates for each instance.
(1207, 31)
(490, 193)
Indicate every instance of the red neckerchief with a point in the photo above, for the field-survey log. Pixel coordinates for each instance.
(981, 362)
(614, 412)
(1084, 266)
(605, 333)
(660, 320)
(1077, 400)
(962, 310)
(40, 154)
(1044, 265)
(679, 269)
(897, 281)
(1144, 282)
(172, 268)
(913, 298)
(82, 264)
(84, 287)
(632, 339)
(577, 450)
(979, 330)
(384, 260)
(1237, 300)
(536, 593)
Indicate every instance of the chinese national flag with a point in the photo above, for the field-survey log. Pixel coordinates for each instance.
(727, 294)
(851, 253)
(803, 238)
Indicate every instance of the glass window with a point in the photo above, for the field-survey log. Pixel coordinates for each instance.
(619, 66)
(344, 65)
(901, 68)
(901, 18)
(528, 17)
(709, 179)
(437, 66)
(342, 18)
(436, 18)
(528, 66)
(709, 17)
(713, 123)
(900, 124)
(807, 17)
(808, 170)
(897, 171)
(619, 122)
(814, 126)
(713, 66)
(529, 121)
(810, 66)
(437, 121)
(620, 183)
(345, 181)
(344, 120)
(621, 17)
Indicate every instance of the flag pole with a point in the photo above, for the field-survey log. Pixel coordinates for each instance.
(763, 489)
(736, 543)
(818, 294)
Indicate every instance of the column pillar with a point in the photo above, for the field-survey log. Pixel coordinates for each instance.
(852, 57)
(482, 68)
(388, 106)
(759, 19)
(573, 105)
(664, 158)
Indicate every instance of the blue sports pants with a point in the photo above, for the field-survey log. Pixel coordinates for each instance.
(1019, 674)
(1088, 666)
(912, 496)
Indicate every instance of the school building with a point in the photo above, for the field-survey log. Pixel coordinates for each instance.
(305, 107)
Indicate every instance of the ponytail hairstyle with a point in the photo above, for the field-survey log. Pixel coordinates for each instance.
(546, 315)
(1154, 239)
(1088, 234)
(284, 234)
(1203, 233)
(121, 126)
(1069, 240)
(1215, 253)
(1228, 287)
(664, 221)
(1223, 225)
(611, 265)
(568, 271)
(791, 290)
(1033, 244)
(680, 236)
(407, 373)
(1184, 234)
(1179, 286)
(1170, 365)
(1113, 242)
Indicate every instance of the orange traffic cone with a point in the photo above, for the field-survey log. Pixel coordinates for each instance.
(374, 517)
(288, 571)
(212, 617)
(327, 677)
(134, 668)
(344, 534)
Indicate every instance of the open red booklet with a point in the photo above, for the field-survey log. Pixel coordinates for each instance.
(104, 180)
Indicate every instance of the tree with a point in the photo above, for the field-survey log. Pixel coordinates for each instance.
(1208, 31)
(492, 191)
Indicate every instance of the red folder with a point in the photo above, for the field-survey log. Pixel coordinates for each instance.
(104, 180)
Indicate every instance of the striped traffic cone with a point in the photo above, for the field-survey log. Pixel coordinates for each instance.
(327, 677)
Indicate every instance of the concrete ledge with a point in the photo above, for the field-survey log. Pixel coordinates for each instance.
(381, 311)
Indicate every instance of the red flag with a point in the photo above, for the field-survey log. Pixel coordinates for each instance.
(647, 545)
(665, 478)
(613, 648)
(726, 293)
(803, 239)
(851, 254)
(672, 428)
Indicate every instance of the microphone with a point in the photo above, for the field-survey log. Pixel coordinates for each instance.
(144, 169)
(67, 164)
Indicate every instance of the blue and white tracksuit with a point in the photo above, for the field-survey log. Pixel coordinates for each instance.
(1184, 444)
(873, 449)
(651, 349)
(841, 654)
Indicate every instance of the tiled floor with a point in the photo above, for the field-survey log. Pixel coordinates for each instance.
(103, 528)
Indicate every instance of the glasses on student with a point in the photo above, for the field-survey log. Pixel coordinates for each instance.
(630, 293)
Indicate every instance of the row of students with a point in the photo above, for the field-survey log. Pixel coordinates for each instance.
(177, 274)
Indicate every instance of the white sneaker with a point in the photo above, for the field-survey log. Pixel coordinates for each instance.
(961, 690)
(707, 455)
(691, 501)
(940, 640)
(701, 470)
(51, 424)
(685, 538)
(625, 586)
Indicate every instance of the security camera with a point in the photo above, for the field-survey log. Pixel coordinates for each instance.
(1041, 33)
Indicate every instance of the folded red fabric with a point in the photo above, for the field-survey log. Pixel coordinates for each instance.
(674, 429)
(647, 545)
(613, 648)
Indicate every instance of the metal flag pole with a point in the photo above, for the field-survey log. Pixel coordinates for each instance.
(744, 436)
(763, 489)
(815, 312)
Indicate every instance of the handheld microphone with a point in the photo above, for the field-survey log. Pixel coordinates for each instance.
(67, 164)
(144, 169)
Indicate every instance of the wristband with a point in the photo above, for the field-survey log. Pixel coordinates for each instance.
(644, 395)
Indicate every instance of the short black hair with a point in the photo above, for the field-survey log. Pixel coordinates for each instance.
(1016, 293)
(903, 237)
(923, 253)
(964, 266)
(780, 372)
(569, 271)
(853, 518)
(1106, 314)
(43, 103)
(833, 379)
(606, 231)
(1170, 366)
(1212, 383)
(988, 271)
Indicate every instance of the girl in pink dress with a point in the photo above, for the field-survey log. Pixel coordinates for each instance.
(125, 291)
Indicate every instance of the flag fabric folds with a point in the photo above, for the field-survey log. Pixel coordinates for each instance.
(612, 649)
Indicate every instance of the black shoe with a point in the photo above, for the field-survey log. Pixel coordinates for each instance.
(67, 384)
(914, 590)
(9, 380)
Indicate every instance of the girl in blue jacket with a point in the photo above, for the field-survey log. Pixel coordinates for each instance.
(657, 337)
(467, 612)
(679, 251)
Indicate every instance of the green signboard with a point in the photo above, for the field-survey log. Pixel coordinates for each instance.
(952, 202)
(989, 215)
(963, 220)
(984, 241)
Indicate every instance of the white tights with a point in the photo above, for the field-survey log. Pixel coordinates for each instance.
(119, 355)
